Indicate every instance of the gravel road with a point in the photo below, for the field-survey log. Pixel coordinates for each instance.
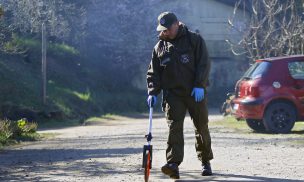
(111, 151)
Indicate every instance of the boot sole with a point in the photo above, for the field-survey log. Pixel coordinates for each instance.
(206, 173)
(170, 173)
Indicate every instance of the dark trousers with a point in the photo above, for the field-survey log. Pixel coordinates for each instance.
(175, 109)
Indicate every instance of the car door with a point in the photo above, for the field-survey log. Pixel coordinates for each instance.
(296, 70)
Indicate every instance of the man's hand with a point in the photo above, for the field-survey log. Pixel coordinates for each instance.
(198, 94)
(151, 100)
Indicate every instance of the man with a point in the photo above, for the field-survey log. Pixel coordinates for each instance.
(179, 68)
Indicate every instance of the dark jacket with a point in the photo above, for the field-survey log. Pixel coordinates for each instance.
(178, 65)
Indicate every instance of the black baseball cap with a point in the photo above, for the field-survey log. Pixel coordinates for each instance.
(165, 20)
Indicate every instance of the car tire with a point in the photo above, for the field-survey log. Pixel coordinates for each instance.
(280, 117)
(256, 125)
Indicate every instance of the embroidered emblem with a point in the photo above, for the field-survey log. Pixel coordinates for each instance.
(185, 58)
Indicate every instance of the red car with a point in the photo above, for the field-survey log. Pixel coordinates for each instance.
(270, 95)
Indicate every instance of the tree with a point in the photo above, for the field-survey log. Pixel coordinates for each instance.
(50, 18)
(5, 31)
(65, 19)
(275, 28)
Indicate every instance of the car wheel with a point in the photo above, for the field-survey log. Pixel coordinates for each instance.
(256, 125)
(280, 117)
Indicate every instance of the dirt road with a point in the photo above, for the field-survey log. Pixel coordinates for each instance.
(111, 151)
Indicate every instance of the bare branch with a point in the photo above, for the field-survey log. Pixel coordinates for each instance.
(275, 28)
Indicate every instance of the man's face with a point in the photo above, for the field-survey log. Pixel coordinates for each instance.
(171, 32)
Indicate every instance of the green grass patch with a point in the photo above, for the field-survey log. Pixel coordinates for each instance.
(62, 49)
(230, 125)
(102, 118)
(49, 124)
(62, 106)
(109, 116)
(83, 96)
(68, 91)
(229, 122)
(19, 43)
(299, 126)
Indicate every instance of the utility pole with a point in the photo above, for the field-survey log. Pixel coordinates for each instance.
(1, 11)
(43, 65)
(42, 8)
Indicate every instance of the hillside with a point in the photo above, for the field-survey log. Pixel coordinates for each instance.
(74, 90)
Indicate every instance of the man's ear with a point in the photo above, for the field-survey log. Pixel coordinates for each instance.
(176, 23)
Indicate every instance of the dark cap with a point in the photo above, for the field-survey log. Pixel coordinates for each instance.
(165, 20)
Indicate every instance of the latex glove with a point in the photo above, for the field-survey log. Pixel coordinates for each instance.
(198, 94)
(151, 100)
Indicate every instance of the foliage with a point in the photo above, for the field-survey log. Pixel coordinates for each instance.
(10, 130)
(62, 49)
(65, 20)
(21, 45)
(26, 127)
(5, 130)
(83, 96)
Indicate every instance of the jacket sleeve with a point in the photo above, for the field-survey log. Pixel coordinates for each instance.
(203, 64)
(153, 75)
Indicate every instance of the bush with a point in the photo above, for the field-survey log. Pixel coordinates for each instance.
(5, 130)
(27, 127)
(10, 130)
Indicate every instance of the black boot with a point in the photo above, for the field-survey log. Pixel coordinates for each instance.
(171, 170)
(206, 171)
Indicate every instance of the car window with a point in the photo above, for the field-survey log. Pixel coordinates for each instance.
(257, 70)
(296, 69)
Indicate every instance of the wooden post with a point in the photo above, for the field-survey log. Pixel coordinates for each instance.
(43, 67)
(1, 11)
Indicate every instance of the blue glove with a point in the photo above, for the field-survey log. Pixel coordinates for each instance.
(198, 94)
(151, 100)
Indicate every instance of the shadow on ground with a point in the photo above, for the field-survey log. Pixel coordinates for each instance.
(193, 177)
(38, 164)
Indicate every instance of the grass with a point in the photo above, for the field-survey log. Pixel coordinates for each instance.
(74, 94)
(102, 119)
(231, 123)
(59, 49)
(19, 83)
(50, 124)
(83, 96)
(299, 126)
(62, 106)
(62, 49)
(27, 138)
